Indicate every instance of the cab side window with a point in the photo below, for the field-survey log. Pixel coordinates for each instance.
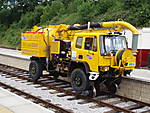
(79, 42)
(90, 44)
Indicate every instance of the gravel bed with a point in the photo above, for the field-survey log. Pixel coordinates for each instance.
(47, 95)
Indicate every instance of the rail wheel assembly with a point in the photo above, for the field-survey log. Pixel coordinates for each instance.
(122, 57)
(112, 85)
(108, 85)
(113, 82)
(109, 81)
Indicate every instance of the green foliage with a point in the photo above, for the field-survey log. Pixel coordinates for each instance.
(4, 16)
(17, 16)
(72, 7)
(65, 19)
(11, 37)
(86, 12)
(50, 11)
(103, 5)
(30, 19)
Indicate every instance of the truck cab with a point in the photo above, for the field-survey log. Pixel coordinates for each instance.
(98, 49)
(106, 57)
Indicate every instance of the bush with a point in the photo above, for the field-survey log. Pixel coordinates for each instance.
(51, 11)
(65, 19)
(86, 12)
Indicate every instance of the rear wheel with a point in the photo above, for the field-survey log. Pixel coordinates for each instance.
(35, 70)
(79, 81)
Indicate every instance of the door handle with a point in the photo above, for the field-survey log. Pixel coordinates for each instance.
(80, 57)
(91, 53)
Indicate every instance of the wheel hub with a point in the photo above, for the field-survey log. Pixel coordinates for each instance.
(33, 70)
(78, 81)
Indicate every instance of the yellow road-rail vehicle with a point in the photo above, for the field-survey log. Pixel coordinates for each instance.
(95, 56)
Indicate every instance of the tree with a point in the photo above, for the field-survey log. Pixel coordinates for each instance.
(50, 11)
(5, 16)
(31, 18)
(86, 12)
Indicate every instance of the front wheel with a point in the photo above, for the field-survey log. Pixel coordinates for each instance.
(79, 81)
(35, 70)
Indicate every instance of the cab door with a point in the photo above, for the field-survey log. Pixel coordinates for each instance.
(77, 49)
(91, 53)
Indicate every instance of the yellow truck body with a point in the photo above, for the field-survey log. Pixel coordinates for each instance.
(96, 51)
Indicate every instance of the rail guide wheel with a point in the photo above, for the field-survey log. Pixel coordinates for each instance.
(35, 70)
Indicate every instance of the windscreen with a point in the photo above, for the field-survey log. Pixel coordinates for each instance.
(111, 44)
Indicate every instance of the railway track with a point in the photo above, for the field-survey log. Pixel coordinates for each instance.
(56, 89)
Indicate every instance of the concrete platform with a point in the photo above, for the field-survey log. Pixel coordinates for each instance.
(5, 110)
(141, 74)
(13, 53)
(12, 103)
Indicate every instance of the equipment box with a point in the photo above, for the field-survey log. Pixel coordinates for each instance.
(33, 44)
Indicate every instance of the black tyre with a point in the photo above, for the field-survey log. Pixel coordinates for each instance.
(79, 81)
(35, 70)
(113, 88)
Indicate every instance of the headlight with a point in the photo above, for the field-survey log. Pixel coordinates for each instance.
(104, 68)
